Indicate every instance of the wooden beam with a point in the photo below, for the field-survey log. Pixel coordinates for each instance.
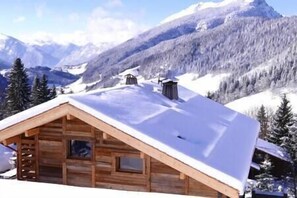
(33, 122)
(142, 155)
(70, 117)
(64, 173)
(93, 176)
(155, 153)
(32, 132)
(182, 176)
(11, 140)
(105, 136)
(187, 183)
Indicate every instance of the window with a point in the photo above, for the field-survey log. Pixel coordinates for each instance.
(129, 164)
(79, 149)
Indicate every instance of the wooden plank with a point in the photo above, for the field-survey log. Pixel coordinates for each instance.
(32, 132)
(37, 155)
(12, 140)
(148, 173)
(38, 120)
(155, 153)
(64, 172)
(187, 185)
(93, 176)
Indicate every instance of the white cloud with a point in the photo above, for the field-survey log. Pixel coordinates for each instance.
(103, 26)
(19, 19)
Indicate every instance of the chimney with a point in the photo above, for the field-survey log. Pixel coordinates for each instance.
(169, 89)
(131, 80)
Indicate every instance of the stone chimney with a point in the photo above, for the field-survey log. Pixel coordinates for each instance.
(131, 80)
(169, 89)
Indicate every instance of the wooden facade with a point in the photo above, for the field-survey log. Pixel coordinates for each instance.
(43, 155)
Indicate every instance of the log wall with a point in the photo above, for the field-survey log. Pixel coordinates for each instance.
(54, 166)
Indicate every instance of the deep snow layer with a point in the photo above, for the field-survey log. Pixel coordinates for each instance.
(16, 189)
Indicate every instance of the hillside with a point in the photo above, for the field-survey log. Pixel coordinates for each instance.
(231, 37)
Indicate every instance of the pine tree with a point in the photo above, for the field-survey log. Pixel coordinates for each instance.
(282, 121)
(35, 93)
(265, 180)
(293, 155)
(44, 90)
(53, 92)
(18, 91)
(263, 119)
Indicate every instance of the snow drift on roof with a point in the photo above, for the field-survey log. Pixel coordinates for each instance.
(273, 150)
(195, 130)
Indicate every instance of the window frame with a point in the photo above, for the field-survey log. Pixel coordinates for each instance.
(116, 164)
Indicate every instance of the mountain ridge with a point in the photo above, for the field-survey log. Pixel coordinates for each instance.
(181, 45)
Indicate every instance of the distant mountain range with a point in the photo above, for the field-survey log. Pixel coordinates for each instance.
(47, 54)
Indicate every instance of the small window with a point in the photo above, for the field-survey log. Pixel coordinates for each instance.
(79, 149)
(130, 164)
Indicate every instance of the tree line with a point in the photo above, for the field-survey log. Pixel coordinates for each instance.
(19, 95)
(281, 130)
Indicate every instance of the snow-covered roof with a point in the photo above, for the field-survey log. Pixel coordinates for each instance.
(201, 133)
(273, 150)
(255, 166)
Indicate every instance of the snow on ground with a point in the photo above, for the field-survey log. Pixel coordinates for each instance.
(77, 70)
(201, 85)
(270, 99)
(194, 129)
(16, 189)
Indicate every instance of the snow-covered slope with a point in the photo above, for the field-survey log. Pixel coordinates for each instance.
(234, 7)
(209, 36)
(269, 98)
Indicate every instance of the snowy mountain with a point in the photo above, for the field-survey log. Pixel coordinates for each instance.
(210, 39)
(46, 53)
(82, 55)
(56, 50)
(12, 48)
(229, 8)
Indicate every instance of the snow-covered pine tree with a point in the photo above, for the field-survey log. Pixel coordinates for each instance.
(265, 180)
(293, 154)
(263, 119)
(35, 93)
(18, 91)
(53, 92)
(282, 121)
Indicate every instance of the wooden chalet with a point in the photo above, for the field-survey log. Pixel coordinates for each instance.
(73, 140)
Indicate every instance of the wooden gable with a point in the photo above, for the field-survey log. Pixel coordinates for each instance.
(58, 125)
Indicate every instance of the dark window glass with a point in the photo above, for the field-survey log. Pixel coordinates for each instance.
(79, 148)
(130, 164)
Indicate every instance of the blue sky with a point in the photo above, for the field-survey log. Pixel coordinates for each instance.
(80, 21)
